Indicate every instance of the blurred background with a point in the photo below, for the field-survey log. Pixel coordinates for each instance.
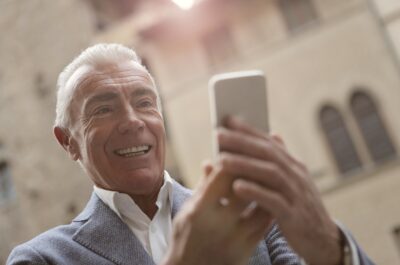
(333, 70)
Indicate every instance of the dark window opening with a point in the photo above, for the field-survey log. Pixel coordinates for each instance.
(339, 140)
(372, 127)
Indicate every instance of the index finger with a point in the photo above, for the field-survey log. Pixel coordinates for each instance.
(235, 123)
(217, 185)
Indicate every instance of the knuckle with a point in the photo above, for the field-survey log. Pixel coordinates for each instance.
(220, 136)
(275, 171)
(267, 148)
(223, 159)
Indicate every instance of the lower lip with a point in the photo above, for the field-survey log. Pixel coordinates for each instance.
(140, 154)
(135, 155)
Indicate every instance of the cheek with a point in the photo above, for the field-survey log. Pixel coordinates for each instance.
(159, 130)
(155, 122)
(95, 140)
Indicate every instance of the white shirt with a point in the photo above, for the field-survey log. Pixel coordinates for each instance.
(154, 234)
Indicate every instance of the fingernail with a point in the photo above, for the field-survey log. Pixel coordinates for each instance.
(238, 184)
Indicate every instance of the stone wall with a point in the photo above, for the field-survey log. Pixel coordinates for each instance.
(38, 38)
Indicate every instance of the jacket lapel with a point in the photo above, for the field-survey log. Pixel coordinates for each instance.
(179, 195)
(104, 233)
(260, 256)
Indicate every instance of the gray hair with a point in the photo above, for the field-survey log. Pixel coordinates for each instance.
(95, 56)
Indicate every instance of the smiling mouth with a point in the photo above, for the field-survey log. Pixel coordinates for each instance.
(133, 151)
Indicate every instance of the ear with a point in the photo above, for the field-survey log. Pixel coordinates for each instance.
(67, 142)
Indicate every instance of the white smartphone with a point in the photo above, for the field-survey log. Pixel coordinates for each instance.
(242, 94)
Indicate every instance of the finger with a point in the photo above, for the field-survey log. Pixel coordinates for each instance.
(217, 191)
(228, 201)
(268, 200)
(278, 139)
(264, 149)
(233, 210)
(235, 123)
(207, 167)
(218, 185)
(241, 143)
(261, 223)
(256, 225)
(263, 172)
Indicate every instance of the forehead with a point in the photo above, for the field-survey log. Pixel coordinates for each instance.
(122, 77)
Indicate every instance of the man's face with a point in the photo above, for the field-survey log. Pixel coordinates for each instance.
(118, 129)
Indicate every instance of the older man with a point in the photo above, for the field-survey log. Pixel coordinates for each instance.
(109, 120)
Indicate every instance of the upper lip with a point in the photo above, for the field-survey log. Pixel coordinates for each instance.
(132, 149)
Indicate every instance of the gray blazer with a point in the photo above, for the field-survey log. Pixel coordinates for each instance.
(98, 236)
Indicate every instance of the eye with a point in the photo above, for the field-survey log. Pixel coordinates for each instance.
(146, 103)
(102, 110)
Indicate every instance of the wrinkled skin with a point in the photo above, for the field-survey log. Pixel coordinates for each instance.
(115, 108)
(253, 167)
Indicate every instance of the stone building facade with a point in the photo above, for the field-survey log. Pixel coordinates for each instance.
(39, 187)
(333, 91)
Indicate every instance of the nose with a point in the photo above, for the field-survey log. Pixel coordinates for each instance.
(130, 122)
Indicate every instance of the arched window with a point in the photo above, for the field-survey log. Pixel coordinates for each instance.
(339, 140)
(372, 127)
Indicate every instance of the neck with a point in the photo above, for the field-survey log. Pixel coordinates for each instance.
(146, 203)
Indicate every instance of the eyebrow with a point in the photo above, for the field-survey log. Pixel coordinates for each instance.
(107, 96)
(144, 91)
(100, 98)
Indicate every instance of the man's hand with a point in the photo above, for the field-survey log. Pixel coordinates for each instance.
(207, 231)
(281, 185)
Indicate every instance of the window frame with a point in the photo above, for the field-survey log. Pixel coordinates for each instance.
(363, 120)
(333, 150)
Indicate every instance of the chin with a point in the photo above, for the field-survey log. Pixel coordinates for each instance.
(144, 183)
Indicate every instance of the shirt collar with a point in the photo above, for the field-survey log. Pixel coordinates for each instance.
(123, 205)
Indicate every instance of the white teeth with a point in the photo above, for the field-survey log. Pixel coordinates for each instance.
(133, 151)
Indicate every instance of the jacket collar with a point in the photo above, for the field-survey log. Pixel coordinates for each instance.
(104, 233)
